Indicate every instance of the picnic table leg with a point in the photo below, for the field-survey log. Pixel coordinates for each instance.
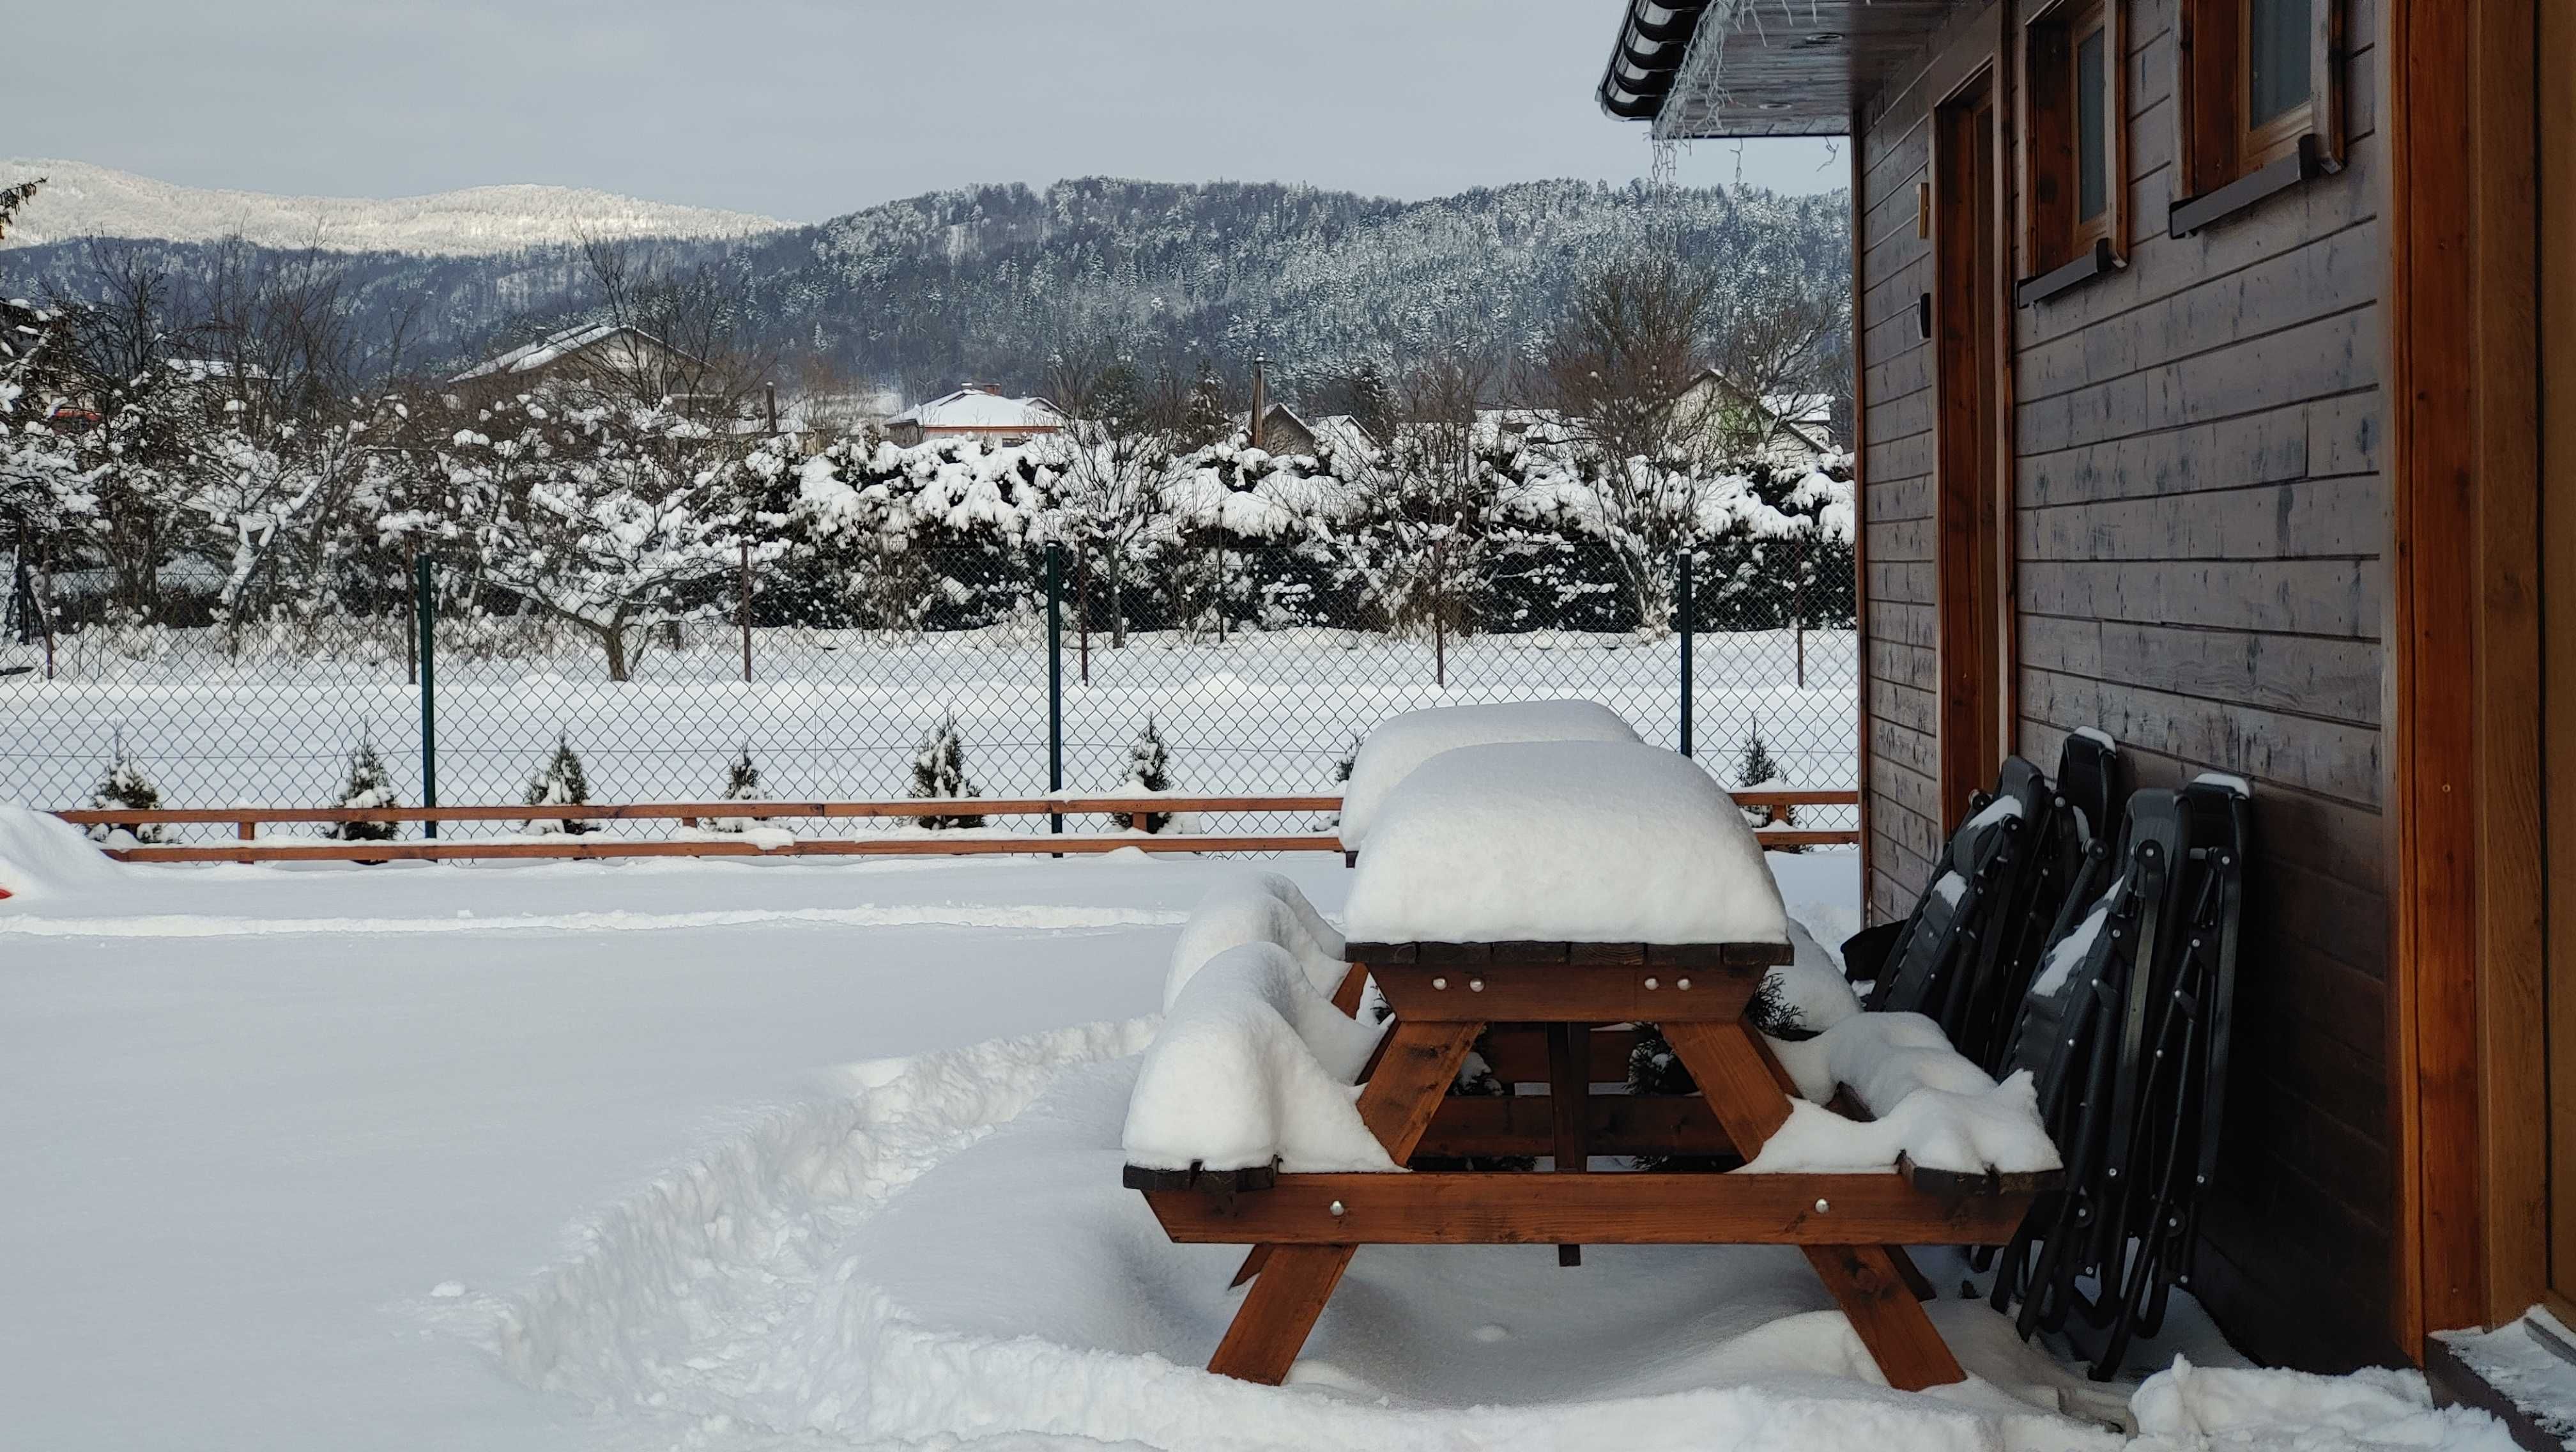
(1418, 1063)
(1569, 1096)
(1749, 1091)
(1883, 1310)
(1346, 994)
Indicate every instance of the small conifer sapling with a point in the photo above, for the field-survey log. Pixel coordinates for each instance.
(560, 783)
(939, 774)
(126, 786)
(367, 786)
(1149, 769)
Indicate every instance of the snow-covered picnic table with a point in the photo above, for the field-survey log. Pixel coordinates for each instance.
(1522, 901)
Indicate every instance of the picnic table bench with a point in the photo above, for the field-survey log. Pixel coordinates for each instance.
(1543, 898)
(1852, 1227)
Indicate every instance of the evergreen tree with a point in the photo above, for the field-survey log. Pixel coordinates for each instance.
(561, 783)
(1204, 419)
(367, 786)
(742, 779)
(939, 772)
(1343, 766)
(1755, 768)
(126, 787)
(1370, 401)
(1149, 769)
(742, 784)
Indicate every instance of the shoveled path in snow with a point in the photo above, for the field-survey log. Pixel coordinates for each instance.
(257, 1118)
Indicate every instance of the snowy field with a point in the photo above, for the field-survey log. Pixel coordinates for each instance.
(727, 1156)
(838, 714)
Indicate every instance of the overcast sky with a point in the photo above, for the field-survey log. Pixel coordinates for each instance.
(804, 109)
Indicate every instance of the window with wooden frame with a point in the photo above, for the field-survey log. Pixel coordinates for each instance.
(2259, 94)
(2074, 146)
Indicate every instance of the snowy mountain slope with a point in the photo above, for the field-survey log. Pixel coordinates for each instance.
(84, 200)
(983, 284)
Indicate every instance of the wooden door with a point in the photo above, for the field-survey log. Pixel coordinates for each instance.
(1972, 504)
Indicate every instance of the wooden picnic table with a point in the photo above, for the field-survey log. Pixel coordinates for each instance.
(1852, 1227)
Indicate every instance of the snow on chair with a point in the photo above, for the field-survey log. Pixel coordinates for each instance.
(1559, 886)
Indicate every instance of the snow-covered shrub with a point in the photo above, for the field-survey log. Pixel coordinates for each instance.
(367, 786)
(1149, 769)
(560, 783)
(742, 784)
(125, 787)
(1754, 769)
(939, 773)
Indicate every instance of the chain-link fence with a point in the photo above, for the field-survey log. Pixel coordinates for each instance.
(1258, 668)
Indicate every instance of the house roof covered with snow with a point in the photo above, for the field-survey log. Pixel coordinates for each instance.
(979, 409)
(555, 347)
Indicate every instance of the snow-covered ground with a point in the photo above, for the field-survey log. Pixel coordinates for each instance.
(620, 1156)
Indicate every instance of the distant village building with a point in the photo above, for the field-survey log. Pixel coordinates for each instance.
(1794, 431)
(612, 356)
(977, 411)
(1285, 431)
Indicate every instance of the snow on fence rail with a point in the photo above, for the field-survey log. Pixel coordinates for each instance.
(248, 847)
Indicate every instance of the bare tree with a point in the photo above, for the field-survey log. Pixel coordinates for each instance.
(702, 361)
(1120, 439)
(1430, 492)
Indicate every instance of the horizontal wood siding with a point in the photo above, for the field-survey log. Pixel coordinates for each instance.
(2201, 517)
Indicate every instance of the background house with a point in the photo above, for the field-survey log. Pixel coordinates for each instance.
(615, 358)
(977, 411)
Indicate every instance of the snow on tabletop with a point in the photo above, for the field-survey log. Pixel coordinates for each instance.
(1253, 1065)
(42, 855)
(1257, 907)
(1404, 742)
(1574, 841)
(1932, 1105)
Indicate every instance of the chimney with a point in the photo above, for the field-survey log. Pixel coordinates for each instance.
(1260, 396)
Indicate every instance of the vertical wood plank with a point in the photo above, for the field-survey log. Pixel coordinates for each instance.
(1890, 1322)
(1859, 444)
(1569, 1094)
(2557, 265)
(2456, 633)
(2512, 962)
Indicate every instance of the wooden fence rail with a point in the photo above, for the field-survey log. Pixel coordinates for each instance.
(246, 822)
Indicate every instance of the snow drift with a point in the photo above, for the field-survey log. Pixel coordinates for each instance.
(43, 856)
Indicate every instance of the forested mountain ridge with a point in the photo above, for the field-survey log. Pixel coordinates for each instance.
(986, 283)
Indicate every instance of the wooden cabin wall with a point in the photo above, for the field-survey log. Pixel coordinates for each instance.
(2201, 518)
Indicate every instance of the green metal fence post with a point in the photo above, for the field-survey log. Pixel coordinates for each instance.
(1055, 678)
(1682, 608)
(425, 606)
